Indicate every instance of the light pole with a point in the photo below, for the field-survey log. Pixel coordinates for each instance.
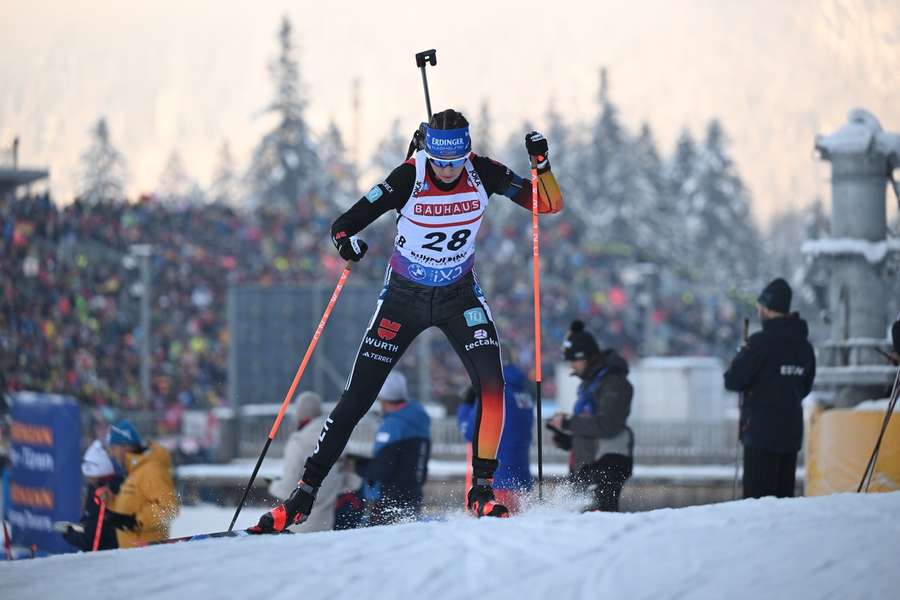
(143, 252)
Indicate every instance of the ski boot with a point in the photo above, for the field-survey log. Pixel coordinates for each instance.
(292, 511)
(481, 502)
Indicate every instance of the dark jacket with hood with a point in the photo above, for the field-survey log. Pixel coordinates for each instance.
(399, 464)
(774, 371)
(598, 423)
(90, 516)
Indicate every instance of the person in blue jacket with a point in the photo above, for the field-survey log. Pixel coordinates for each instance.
(399, 467)
(512, 479)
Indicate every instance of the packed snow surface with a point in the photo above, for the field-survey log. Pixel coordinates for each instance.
(842, 546)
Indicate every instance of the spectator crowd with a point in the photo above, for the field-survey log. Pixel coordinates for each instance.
(71, 293)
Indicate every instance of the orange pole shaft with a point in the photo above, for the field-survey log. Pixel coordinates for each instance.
(312, 346)
(536, 253)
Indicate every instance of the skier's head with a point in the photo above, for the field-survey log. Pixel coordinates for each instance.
(579, 348)
(447, 144)
(775, 299)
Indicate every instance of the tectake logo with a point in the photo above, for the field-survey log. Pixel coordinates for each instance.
(480, 334)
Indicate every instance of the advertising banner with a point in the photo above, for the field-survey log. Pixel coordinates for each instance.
(45, 479)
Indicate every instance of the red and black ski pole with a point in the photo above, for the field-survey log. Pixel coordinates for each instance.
(536, 254)
(290, 394)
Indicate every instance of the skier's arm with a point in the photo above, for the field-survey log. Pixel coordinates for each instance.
(746, 365)
(500, 179)
(392, 193)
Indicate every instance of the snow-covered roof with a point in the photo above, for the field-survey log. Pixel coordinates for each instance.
(861, 134)
(874, 252)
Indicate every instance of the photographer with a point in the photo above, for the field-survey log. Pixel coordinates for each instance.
(597, 436)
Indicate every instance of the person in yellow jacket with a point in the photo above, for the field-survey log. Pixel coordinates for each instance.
(146, 503)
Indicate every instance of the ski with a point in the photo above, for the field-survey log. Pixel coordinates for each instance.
(235, 533)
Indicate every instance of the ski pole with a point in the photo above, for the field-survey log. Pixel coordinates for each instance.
(7, 542)
(536, 254)
(422, 59)
(873, 459)
(290, 393)
(745, 332)
(99, 528)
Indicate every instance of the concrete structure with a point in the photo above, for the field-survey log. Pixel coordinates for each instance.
(863, 158)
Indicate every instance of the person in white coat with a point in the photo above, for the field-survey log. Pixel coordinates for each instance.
(300, 444)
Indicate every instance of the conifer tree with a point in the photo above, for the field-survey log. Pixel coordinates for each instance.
(103, 169)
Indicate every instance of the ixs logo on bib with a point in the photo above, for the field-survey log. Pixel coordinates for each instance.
(387, 329)
(475, 316)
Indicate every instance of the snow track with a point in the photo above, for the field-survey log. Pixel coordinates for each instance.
(834, 547)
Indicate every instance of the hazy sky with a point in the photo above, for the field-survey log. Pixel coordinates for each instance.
(188, 74)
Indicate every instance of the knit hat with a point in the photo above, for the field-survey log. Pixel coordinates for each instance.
(123, 433)
(308, 405)
(394, 388)
(96, 462)
(579, 343)
(777, 296)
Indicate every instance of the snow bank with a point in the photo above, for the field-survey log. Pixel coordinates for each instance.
(841, 546)
(873, 252)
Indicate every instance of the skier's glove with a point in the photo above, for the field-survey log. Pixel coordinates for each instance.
(536, 144)
(349, 247)
(121, 521)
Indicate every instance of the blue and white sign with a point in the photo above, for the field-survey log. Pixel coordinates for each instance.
(45, 481)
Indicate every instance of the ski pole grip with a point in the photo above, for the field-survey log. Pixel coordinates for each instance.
(426, 56)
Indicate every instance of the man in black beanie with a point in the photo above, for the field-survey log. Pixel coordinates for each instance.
(596, 434)
(773, 371)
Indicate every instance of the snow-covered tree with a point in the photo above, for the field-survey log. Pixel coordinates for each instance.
(226, 187)
(482, 132)
(103, 170)
(175, 185)
(719, 224)
(391, 150)
(285, 169)
(341, 186)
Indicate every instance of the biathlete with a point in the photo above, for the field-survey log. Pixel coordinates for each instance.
(440, 194)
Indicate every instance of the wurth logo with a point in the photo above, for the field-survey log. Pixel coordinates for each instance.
(387, 330)
(328, 423)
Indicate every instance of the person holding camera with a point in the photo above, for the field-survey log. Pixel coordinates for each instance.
(597, 435)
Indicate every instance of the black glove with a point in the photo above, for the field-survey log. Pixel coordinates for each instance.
(536, 144)
(562, 441)
(121, 521)
(349, 247)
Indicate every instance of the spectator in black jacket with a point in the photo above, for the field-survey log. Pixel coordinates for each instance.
(600, 441)
(399, 467)
(773, 372)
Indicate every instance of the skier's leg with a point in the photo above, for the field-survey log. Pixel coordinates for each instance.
(393, 327)
(395, 324)
(472, 334)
